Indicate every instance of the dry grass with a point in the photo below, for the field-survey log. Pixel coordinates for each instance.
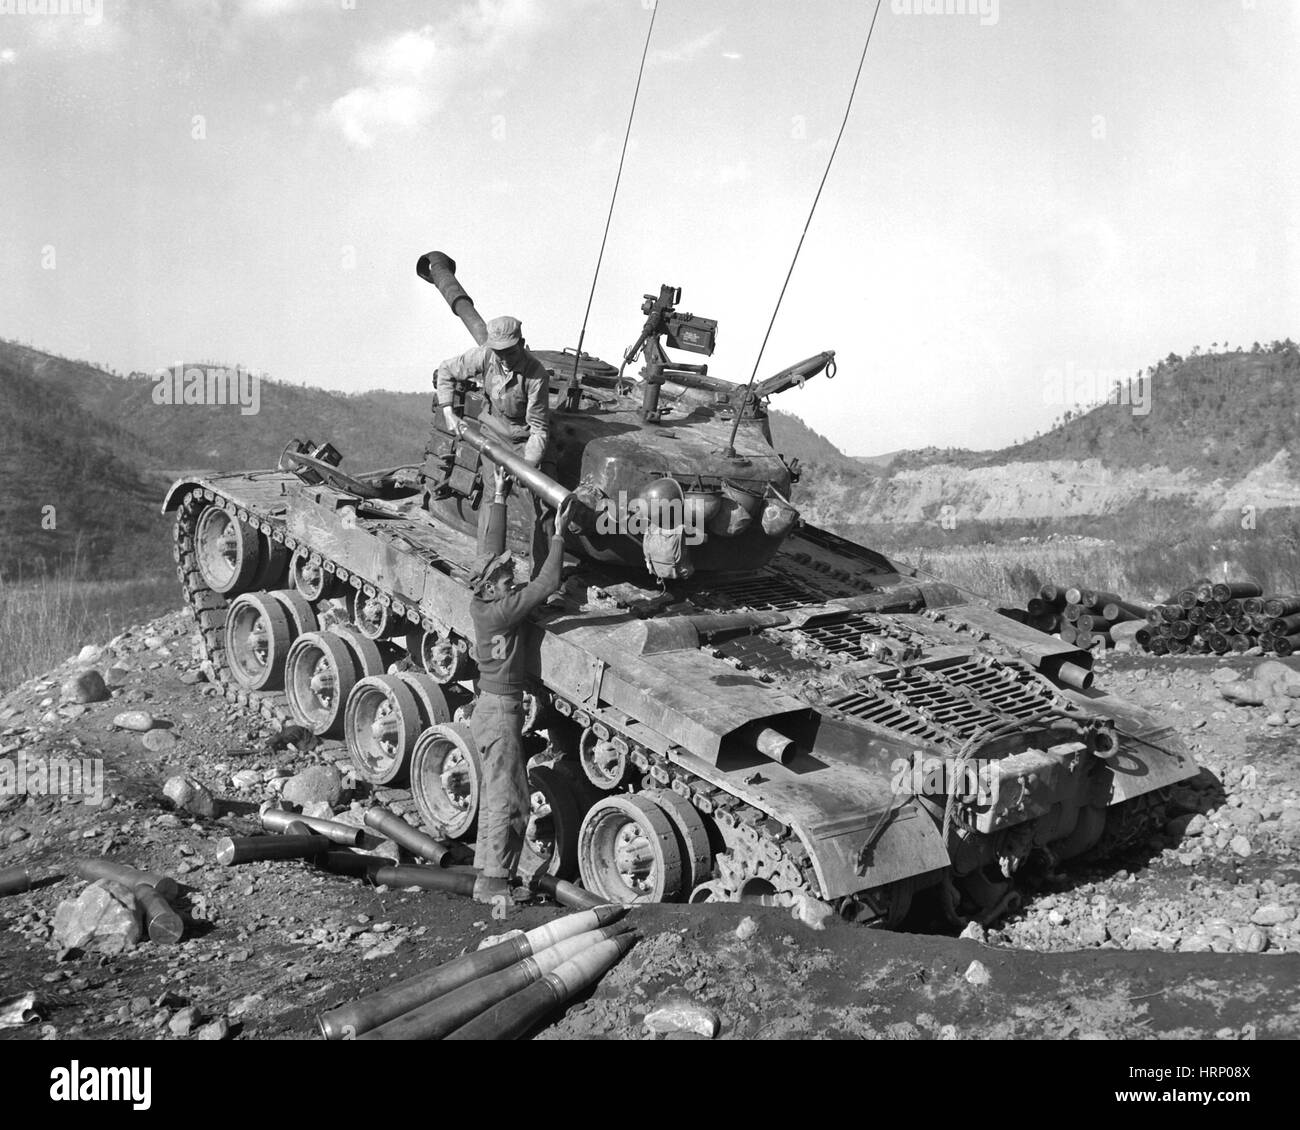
(44, 622)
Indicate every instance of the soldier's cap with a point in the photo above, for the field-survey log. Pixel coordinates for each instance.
(504, 332)
(488, 564)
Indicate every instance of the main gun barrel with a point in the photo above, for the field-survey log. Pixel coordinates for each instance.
(440, 269)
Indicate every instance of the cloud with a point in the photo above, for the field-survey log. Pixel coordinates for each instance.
(8, 55)
(684, 51)
(409, 77)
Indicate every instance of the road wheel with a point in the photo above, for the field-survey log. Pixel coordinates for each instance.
(258, 635)
(227, 551)
(381, 723)
(446, 778)
(627, 851)
(319, 675)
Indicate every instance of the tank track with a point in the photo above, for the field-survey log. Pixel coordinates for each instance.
(756, 846)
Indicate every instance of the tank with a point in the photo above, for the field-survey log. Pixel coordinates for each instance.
(726, 702)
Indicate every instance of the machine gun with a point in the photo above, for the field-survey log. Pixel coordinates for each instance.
(690, 332)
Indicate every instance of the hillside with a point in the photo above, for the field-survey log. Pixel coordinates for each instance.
(1219, 415)
(73, 495)
(1218, 437)
(796, 440)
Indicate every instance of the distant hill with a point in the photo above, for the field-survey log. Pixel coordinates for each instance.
(878, 462)
(796, 440)
(1221, 434)
(1218, 414)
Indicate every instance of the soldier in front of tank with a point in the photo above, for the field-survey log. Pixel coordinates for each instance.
(517, 391)
(500, 611)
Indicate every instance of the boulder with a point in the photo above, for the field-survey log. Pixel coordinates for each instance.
(188, 795)
(313, 785)
(105, 918)
(138, 720)
(86, 686)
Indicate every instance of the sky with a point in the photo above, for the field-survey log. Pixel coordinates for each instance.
(1024, 189)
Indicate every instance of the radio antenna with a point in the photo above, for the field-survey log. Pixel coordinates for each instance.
(730, 450)
(654, 9)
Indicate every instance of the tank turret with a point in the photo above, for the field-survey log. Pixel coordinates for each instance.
(618, 440)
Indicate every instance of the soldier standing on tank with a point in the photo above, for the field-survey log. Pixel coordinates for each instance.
(517, 390)
(500, 611)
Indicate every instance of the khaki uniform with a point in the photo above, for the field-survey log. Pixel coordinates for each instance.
(498, 720)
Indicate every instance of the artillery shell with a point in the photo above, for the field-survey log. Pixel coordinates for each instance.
(446, 1013)
(565, 893)
(353, 1019)
(278, 820)
(129, 877)
(162, 923)
(15, 880)
(517, 1015)
(247, 849)
(415, 841)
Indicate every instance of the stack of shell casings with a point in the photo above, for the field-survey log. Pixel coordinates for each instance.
(501, 992)
(1081, 616)
(1231, 616)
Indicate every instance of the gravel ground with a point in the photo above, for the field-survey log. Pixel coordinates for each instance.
(1191, 934)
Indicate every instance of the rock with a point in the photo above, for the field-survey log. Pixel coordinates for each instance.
(974, 932)
(1277, 718)
(977, 974)
(157, 741)
(747, 929)
(1274, 673)
(318, 783)
(1239, 845)
(153, 642)
(1249, 939)
(182, 1024)
(88, 686)
(812, 912)
(116, 676)
(246, 779)
(188, 795)
(1177, 827)
(322, 809)
(1247, 692)
(219, 1029)
(1225, 675)
(1272, 914)
(104, 918)
(1092, 933)
(89, 655)
(138, 720)
(245, 1005)
(682, 1015)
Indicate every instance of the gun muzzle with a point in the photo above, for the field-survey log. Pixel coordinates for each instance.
(440, 270)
